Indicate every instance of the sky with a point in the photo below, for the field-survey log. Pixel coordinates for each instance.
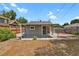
(55, 12)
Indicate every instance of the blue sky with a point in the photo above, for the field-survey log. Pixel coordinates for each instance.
(56, 12)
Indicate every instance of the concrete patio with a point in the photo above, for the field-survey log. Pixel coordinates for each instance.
(54, 36)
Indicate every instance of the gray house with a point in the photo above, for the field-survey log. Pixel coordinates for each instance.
(40, 29)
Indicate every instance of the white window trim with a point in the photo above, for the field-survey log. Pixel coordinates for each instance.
(31, 28)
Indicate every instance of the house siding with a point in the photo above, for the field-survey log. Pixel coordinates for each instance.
(32, 33)
(3, 20)
(37, 32)
(3, 23)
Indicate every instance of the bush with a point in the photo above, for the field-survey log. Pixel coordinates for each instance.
(34, 38)
(6, 34)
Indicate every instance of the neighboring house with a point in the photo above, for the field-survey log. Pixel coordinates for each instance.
(4, 22)
(40, 29)
(72, 28)
(14, 26)
(7, 23)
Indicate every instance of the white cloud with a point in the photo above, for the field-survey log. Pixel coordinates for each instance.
(52, 17)
(50, 13)
(58, 9)
(22, 10)
(5, 7)
(77, 17)
(14, 5)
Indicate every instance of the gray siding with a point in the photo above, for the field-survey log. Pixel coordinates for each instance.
(37, 32)
(32, 33)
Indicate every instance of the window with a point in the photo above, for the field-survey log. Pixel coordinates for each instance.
(2, 21)
(32, 27)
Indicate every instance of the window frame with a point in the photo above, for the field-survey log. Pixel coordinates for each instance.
(32, 27)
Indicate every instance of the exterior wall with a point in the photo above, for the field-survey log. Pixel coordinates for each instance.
(4, 23)
(37, 32)
(14, 28)
(4, 26)
(3, 20)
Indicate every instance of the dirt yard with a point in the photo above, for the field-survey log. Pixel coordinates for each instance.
(39, 47)
(21, 47)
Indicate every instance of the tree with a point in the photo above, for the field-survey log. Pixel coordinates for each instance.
(9, 14)
(74, 21)
(12, 15)
(22, 20)
(65, 24)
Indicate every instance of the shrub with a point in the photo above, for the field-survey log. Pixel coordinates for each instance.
(6, 34)
(34, 38)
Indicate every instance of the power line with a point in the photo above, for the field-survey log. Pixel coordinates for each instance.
(62, 7)
(66, 13)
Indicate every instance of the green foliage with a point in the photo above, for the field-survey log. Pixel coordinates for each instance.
(65, 24)
(6, 34)
(34, 38)
(9, 14)
(22, 20)
(74, 21)
(12, 14)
